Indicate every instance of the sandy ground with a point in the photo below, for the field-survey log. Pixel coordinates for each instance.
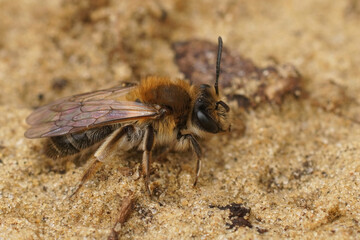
(296, 166)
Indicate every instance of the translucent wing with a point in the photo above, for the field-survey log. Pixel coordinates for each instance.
(84, 111)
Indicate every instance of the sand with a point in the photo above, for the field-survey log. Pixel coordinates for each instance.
(294, 167)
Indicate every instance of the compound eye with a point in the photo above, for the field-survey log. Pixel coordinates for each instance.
(206, 122)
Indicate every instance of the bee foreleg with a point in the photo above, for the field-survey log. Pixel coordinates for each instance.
(146, 161)
(197, 149)
(102, 153)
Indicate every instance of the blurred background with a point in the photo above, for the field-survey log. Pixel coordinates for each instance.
(63, 47)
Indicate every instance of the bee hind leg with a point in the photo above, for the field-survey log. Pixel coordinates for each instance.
(89, 172)
(102, 153)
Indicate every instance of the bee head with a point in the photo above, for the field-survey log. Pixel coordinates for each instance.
(210, 114)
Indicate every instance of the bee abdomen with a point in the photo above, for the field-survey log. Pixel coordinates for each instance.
(73, 143)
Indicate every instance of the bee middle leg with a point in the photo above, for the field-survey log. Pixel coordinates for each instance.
(146, 161)
(103, 152)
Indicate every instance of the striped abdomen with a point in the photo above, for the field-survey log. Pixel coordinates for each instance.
(73, 143)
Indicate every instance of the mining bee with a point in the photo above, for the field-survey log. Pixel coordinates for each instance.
(156, 113)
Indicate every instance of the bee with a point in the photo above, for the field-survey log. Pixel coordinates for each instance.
(156, 113)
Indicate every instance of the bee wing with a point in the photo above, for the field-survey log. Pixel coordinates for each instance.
(84, 111)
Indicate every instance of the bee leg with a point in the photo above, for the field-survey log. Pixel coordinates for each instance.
(102, 153)
(92, 168)
(197, 149)
(146, 161)
(111, 142)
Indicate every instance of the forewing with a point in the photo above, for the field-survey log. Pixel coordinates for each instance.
(84, 111)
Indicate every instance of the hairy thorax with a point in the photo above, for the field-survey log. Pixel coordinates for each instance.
(175, 96)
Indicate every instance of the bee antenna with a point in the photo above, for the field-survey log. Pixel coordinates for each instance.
(218, 60)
